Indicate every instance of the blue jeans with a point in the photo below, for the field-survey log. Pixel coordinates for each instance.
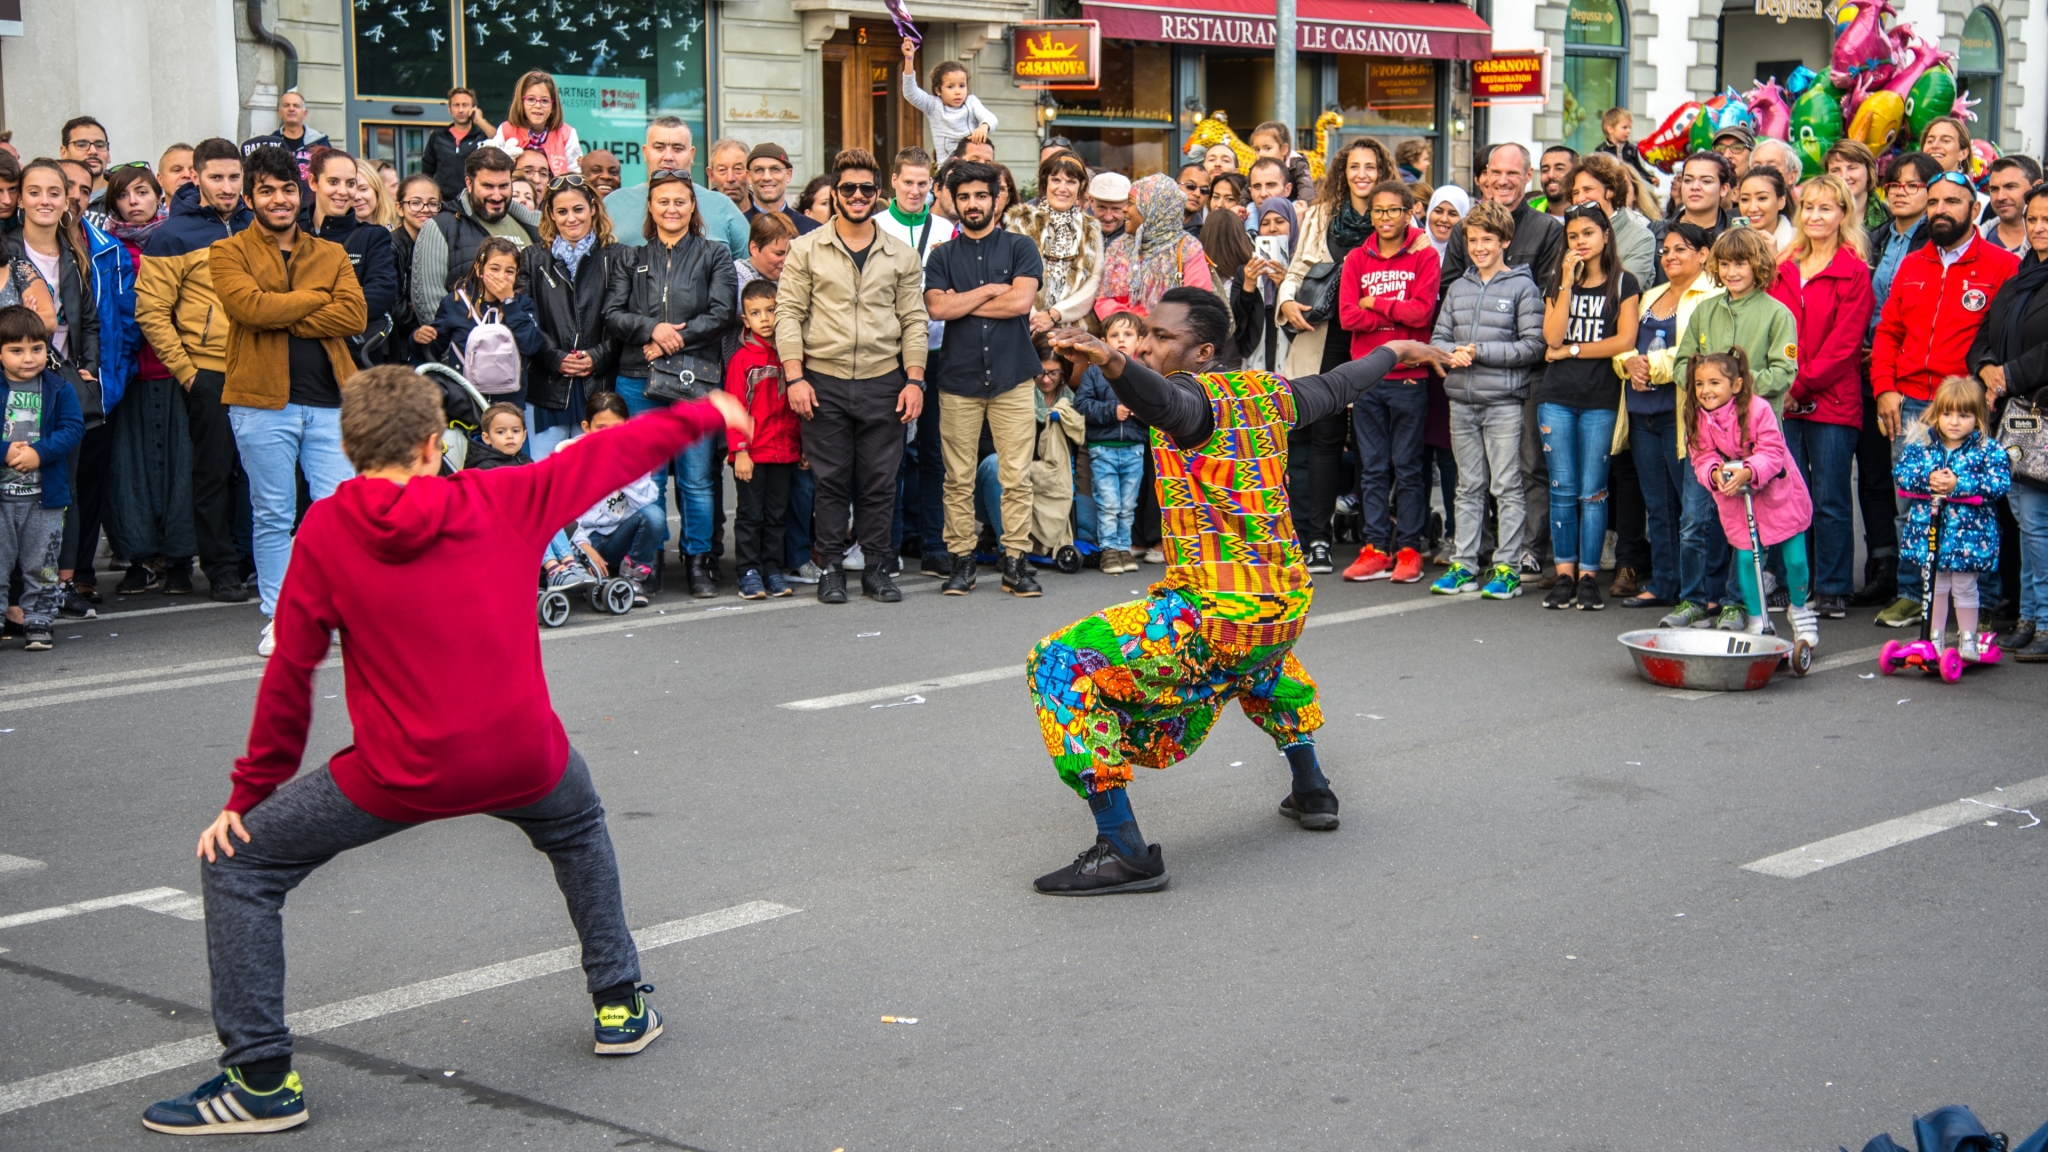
(1653, 440)
(695, 470)
(1705, 559)
(1823, 454)
(1119, 470)
(1576, 443)
(2030, 509)
(539, 444)
(796, 529)
(1909, 572)
(275, 447)
(1388, 421)
(637, 537)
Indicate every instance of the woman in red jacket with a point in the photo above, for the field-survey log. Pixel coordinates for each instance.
(1826, 284)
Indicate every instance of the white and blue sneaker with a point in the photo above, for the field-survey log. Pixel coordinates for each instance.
(1458, 580)
(226, 1103)
(626, 1028)
(1503, 583)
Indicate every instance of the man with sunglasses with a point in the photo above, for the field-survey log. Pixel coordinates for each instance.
(668, 145)
(850, 329)
(1936, 301)
(1194, 180)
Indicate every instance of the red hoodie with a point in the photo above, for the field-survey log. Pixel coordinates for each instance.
(755, 376)
(450, 710)
(1403, 290)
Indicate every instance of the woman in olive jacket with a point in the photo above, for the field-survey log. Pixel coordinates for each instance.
(566, 276)
(668, 302)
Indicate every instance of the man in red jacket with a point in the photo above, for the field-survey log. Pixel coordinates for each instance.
(428, 745)
(1938, 299)
(1388, 291)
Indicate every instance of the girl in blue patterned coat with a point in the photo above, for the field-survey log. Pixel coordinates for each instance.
(1950, 456)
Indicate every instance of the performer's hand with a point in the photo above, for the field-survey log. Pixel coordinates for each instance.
(1076, 346)
(216, 834)
(1416, 352)
(736, 415)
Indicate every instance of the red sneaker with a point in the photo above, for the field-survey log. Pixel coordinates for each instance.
(1372, 564)
(1407, 566)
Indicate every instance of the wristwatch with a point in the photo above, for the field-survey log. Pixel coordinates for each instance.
(1575, 349)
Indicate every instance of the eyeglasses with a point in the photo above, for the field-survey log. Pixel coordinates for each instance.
(417, 205)
(1388, 212)
(1191, 186)
(865, 188)
(92, 145)
(1909, 185)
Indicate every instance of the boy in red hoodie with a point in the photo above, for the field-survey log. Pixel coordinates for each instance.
(427, 746)
(1388, 291)
(764, 465)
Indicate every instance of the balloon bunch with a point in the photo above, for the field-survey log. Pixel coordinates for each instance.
(1884, 86)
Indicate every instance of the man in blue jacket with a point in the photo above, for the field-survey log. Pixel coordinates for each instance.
(40, 426)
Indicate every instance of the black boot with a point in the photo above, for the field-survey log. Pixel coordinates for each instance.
(936, 563)
(703, 577)
(1018, 578)
(961, 582)
(1880, 582)
(832, 585)
(876, 583)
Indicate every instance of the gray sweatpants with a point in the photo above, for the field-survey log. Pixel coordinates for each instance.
(1486, 440)
(308, 822)
(33, 535)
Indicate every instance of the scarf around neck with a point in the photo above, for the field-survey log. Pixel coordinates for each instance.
(1059, 244)
(572, 254)
(137, 234)
(1348, 229)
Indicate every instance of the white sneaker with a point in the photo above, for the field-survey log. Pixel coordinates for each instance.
(268, 643)
(1154, 556)
(854, 561)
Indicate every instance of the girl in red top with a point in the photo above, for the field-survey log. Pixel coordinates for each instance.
(1826, 284)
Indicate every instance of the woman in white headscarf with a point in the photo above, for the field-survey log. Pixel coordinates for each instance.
(1446, 208)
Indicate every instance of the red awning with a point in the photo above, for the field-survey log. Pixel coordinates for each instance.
(1446, 31)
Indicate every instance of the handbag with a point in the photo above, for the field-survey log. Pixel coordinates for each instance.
(1318, 293)
(91, 402)
(679, 376)
(2023, 433)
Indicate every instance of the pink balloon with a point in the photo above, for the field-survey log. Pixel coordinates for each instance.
(1864, 48)
(1916, 56)
(1767, 104)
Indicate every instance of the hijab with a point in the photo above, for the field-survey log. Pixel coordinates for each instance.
(1282, 207)
(1454, 196)
(1161, 251)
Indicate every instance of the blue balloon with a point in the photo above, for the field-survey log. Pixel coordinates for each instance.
(1801, 79)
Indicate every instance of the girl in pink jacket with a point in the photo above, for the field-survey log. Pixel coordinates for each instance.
(1735, 444)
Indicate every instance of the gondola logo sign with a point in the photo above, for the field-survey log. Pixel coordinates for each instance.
(1056, 55)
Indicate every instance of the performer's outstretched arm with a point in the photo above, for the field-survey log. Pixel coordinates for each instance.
(1318, 396)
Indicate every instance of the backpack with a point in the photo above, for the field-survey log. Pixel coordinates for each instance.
(490, 357)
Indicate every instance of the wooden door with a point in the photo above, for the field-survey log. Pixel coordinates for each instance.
(864, 105)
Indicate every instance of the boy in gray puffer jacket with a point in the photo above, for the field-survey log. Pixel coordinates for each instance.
(1491, 323)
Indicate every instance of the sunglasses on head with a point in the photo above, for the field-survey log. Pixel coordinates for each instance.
(663, 175)
(128, 164)
(1956, 178)
(572, 180)
(864, 188)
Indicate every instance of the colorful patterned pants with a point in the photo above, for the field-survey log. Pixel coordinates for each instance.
(1138, 684)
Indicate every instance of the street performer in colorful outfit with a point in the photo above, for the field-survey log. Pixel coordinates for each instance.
(1141, 683)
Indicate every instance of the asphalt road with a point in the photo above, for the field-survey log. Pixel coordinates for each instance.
(1534, 929)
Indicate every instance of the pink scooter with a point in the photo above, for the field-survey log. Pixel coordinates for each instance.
(1926, 653)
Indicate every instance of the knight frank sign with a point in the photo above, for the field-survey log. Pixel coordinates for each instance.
(1385, 30)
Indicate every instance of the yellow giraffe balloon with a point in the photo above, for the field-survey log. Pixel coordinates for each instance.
(1214, 129)
(1326, 135)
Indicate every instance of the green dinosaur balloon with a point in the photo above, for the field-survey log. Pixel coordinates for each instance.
(1816, 124)
(1932, 95)
(1701, 139)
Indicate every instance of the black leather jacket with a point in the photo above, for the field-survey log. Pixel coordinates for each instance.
(570, 313)
(78, 308)
(690, 286)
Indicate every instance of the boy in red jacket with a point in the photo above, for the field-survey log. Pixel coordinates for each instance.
(764, 465)
(1388, 291)
(427, 746)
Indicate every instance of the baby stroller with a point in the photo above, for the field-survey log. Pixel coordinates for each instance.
(612, 595)
(463, 405)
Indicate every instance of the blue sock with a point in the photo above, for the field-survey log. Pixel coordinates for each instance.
(1112, 808)
(1308, 776)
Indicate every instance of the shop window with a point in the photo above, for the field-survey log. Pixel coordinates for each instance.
(1126, 125)
(1980, 69)
(402, 144)
(1595, 68)
(1379, 92)
(1241, 85)
(403, 51)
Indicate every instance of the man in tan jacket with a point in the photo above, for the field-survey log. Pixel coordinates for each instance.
(177, 310)
(850, 328)
(291, 301)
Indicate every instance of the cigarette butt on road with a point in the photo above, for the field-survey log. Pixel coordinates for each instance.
(899, 1019)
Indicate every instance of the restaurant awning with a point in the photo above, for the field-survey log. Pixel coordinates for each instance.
(1366, 27)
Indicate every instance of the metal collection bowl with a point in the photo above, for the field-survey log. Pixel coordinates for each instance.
(1704, 660)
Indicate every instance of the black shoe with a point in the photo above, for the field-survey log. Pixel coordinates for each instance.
(1103, 871)
(961, 581)
(1779, 599)
(703, 577)
(1589, 593)
(1319, 557)
(2019, 635)
(1880, 582)
(89, 590)
(1018, 578)
(1315, 808)
(229, 590)
(1562, 593)
(2035, 653)
(142, 576)
(937, 564)
(178, 580)
(876, 585)
(73, 606)
(832, 585)
(1830, 607)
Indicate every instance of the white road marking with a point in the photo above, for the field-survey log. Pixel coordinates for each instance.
(165, 1057)
(119, 614)
(1810, 858)
(131, 674)
(1008, 671)
(61, 911)
(18, 864)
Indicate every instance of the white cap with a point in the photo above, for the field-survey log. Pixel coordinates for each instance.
(1110, 188)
